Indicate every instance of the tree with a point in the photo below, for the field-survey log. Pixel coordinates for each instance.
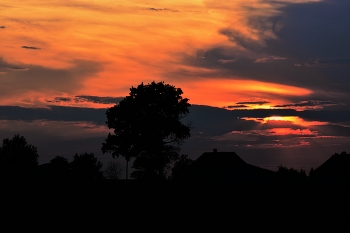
(60, 162)
(86, 167)
(17, 157)
(154, 166)
(113, 170)
(291, 174)
(147, 126)
(180, 167)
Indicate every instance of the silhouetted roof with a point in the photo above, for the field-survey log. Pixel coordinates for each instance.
(336, 168)
(226, 166)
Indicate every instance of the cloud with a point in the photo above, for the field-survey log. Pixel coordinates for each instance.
(241, 39)
(254, 102)
(238, 106)
(308, 104)
(59, 99)
(53, 113)
(212, 128)
(162, 9)
(98, 99)
(224, 61)
(1, 27)
(20, 88)
(327, 62)
(18, 69)
(30, 47)
(330, 116)
(269, 59)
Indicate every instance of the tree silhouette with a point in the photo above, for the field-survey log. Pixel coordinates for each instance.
(154, 166)
(180, 167)
(60, 162)
(113, 170)
(147, 126)
(291, 174)
(18, 159)
(86, 167)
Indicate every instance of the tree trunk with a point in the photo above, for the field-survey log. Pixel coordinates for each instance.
(127, 161)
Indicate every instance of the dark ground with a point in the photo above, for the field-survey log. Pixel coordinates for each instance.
(174, 207)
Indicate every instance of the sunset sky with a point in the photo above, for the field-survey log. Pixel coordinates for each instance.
(268, 79)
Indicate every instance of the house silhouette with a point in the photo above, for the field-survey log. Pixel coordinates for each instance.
(334, 170)
(227, 167)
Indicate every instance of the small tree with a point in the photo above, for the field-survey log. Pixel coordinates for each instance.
(17, 157)
(147, 126)
(113, 170)
(86, 167)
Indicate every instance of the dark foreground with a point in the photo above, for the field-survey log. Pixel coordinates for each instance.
(132, 206)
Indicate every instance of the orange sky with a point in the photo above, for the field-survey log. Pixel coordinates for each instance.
(124, 43)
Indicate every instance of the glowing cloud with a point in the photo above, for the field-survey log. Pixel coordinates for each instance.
(291, 119)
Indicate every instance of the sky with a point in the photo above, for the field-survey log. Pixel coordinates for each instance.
(268, 79)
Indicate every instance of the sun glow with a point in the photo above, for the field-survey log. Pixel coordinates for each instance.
(287, 119)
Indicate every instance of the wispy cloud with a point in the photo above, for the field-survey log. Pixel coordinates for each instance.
(254, 102)
(326, 62)
(308, 104)
(225, 61)
(269, 59)
(238, 106)
(84, 101)
(18, 69)
(162, 9)
(59, 99)
(31, 47)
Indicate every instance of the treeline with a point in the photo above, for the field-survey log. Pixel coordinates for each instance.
(19, 160)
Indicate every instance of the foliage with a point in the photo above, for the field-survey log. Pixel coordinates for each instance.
(17, 157)
(291, 174)
(113, 170)
(180, 167)
(154, 166)
(147, 126)
(60, 162)
(86, 167)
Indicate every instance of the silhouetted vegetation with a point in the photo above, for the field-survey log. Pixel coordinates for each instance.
(113, 170)
(18, 159)
(180, 167)
(147, 126)
(291, 175)
(86, 167)
(222, 182)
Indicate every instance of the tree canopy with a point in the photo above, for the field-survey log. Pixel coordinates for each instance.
(147, 123)
(86, 167)
(17, 157)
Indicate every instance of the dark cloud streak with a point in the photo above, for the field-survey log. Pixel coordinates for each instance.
(98, 99)
(31, 47)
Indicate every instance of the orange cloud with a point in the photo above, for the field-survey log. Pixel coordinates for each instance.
(136, 42)
(290, 119)
(225, 92)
